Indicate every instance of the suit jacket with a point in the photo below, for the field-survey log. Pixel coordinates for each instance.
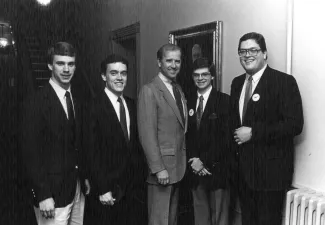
(275, 115)
(162, 131)
(113, 158)
(50, 151)
(210, 142)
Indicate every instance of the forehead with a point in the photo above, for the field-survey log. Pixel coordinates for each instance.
(116, 66)
(250, 43)
(176, 54)
(201, 70)
(63, 58)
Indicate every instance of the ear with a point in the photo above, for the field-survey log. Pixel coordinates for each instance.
(265, 55)
(159, 63)
(103, 77)
(50, 67)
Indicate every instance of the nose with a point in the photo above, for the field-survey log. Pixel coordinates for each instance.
(173, 64)
(66, 68)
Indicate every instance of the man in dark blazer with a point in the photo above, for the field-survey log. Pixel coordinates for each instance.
(207, 142)
(114, 156)
(266, 115)
(51, 143)
(162, 122)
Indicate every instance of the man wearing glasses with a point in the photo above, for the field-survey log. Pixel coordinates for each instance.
(207, 142)
(266, 112)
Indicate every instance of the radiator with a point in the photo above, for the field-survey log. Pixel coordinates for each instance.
(304, 207)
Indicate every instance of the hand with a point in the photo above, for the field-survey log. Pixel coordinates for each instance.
(196, 165)
(204, 172)
(107, 199)
(87, 184)
(163, 177)
(242, 135)
(47, 208)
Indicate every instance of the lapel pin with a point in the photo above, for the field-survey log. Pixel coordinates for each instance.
(256, 97)
(191, 112)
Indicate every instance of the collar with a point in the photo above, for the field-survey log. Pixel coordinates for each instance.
(58, 89)
(164, 79)
(257, 76)
(113, 97)
(206, 94)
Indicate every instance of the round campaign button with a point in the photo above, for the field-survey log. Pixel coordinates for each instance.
(256, 97)
(191, 112)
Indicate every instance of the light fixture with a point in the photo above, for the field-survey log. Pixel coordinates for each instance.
(3, 42)
(44, 2)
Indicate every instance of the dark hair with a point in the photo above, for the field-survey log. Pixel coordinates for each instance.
(60, 48)
(167, 47)
(113, 58)
(204, 63)
(255, 36)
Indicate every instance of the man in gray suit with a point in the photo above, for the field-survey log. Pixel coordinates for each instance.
(162, 122)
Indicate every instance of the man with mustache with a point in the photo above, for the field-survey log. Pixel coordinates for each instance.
(266, 111)
(52, 143)
(162, 122)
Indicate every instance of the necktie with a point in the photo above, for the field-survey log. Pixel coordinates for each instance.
(123, 119)
(248, 94)
(70, 114)
(178, 99)
(69, 106)
(199, 112)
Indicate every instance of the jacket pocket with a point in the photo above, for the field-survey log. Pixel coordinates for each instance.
(167, 151)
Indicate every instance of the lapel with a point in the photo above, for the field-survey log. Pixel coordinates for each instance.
(259, 90)
(132, 119)
(171, 101)
(212, 100)
(54, 109)
(77, 109)
(238, 89)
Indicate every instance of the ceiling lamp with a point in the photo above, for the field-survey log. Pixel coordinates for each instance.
(44, 2)
(3, 42)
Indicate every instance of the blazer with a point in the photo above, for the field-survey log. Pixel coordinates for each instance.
(162, 131)
(50, 153)
(275, 115)
(210, 142)
(113, 159)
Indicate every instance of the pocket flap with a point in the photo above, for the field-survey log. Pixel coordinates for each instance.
(167, 151)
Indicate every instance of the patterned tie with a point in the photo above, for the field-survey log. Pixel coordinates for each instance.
(199, 112)
(248, 94)
(178, 99)
(123, 119)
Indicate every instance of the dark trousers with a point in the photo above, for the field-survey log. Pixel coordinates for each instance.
(258, 207)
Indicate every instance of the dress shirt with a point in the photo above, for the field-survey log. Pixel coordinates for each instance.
(255, 79)
(60, 92)
(113, 98)
(205, 98)
(169, 86)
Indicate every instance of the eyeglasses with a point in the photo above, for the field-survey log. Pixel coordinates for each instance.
(250, 51)
(203, 75)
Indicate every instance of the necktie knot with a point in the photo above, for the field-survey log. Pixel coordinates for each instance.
(67, 94)
(250, 78)
(201, 98)
(119, 99)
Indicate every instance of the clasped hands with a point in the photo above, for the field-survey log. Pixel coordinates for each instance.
(107, 199)
(198, 167)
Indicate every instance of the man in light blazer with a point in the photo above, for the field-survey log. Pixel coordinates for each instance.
(207, 142)
(162, 122)
(266, 111)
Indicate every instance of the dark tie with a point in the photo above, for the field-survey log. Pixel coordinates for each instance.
(199, 112)
(69, 107)
(123, 119)
(248, 94)
(178, 99)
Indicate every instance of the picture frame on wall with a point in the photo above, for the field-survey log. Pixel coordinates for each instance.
(204, 40)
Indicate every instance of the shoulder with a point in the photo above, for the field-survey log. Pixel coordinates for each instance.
(278, 76)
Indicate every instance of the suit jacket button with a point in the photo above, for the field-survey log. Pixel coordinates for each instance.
(76, 166)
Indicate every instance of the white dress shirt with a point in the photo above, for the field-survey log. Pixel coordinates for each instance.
(113, 98)
(205, 98)
(256, 78)
(169, 86)
(60, 92)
